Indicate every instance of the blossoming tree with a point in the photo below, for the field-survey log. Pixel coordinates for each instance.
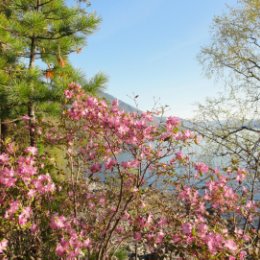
(124, 180)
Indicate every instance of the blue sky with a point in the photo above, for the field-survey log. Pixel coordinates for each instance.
(150, 48)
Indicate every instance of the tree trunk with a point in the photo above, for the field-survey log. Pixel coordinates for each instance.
(31, 108)
(31, 112)
(3, 130)
(136, 251)
(31, 123)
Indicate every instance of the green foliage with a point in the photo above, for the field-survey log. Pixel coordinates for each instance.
(93, 84)
(235, 44)
(230, 121)
(36, 39)
(121, 254)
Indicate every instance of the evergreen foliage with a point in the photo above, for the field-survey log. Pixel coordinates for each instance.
(36, 39)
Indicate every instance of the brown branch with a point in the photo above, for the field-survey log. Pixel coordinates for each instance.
(45, 3)
(241, 129)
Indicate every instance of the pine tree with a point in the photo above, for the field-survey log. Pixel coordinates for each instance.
(36, 39)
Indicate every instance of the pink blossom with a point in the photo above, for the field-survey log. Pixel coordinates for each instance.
(189, 239)
(242, 255)
(140, 124)
(134, 189)
(187, 134)
(7, 177)
(119, 230)
(216, 171)
(150, 236)
(3, 245)
(96, 167)
(189, 196)
(87, 243)
(186, 228)
(122, 130)
(31, 193)
(24, 216)
(230, 245)
(149, 220)
(115, 103)
(161, 222)
(26, 118)
(250, 205)
(126, 216)
(102, 201)
(141, 221)
(179, 155)
(110, 163)
(61, 249)
(178, 136)
(211, 245)
(58, 222)
(10, 148)
(74, 86)
(147, 116)
(201, 167)
(148, 132)
(32, 150)
(68, 94)
(137, 236)
(34, 228)
(91, 205)
(4, 158)
(26, 167)
(176, 238)
(43, 184)
(214, 242)
(14, 206)
(130, 164)
(241, 175)
(159, 237)
(202, 229)
(172, 121)
(92, 102)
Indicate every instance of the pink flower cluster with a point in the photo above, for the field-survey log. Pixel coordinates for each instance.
(156, 196)
(26, 171)
(201, 167)
(21, 183)
(72, 244)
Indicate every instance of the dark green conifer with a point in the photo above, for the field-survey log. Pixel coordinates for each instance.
(36, 39)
